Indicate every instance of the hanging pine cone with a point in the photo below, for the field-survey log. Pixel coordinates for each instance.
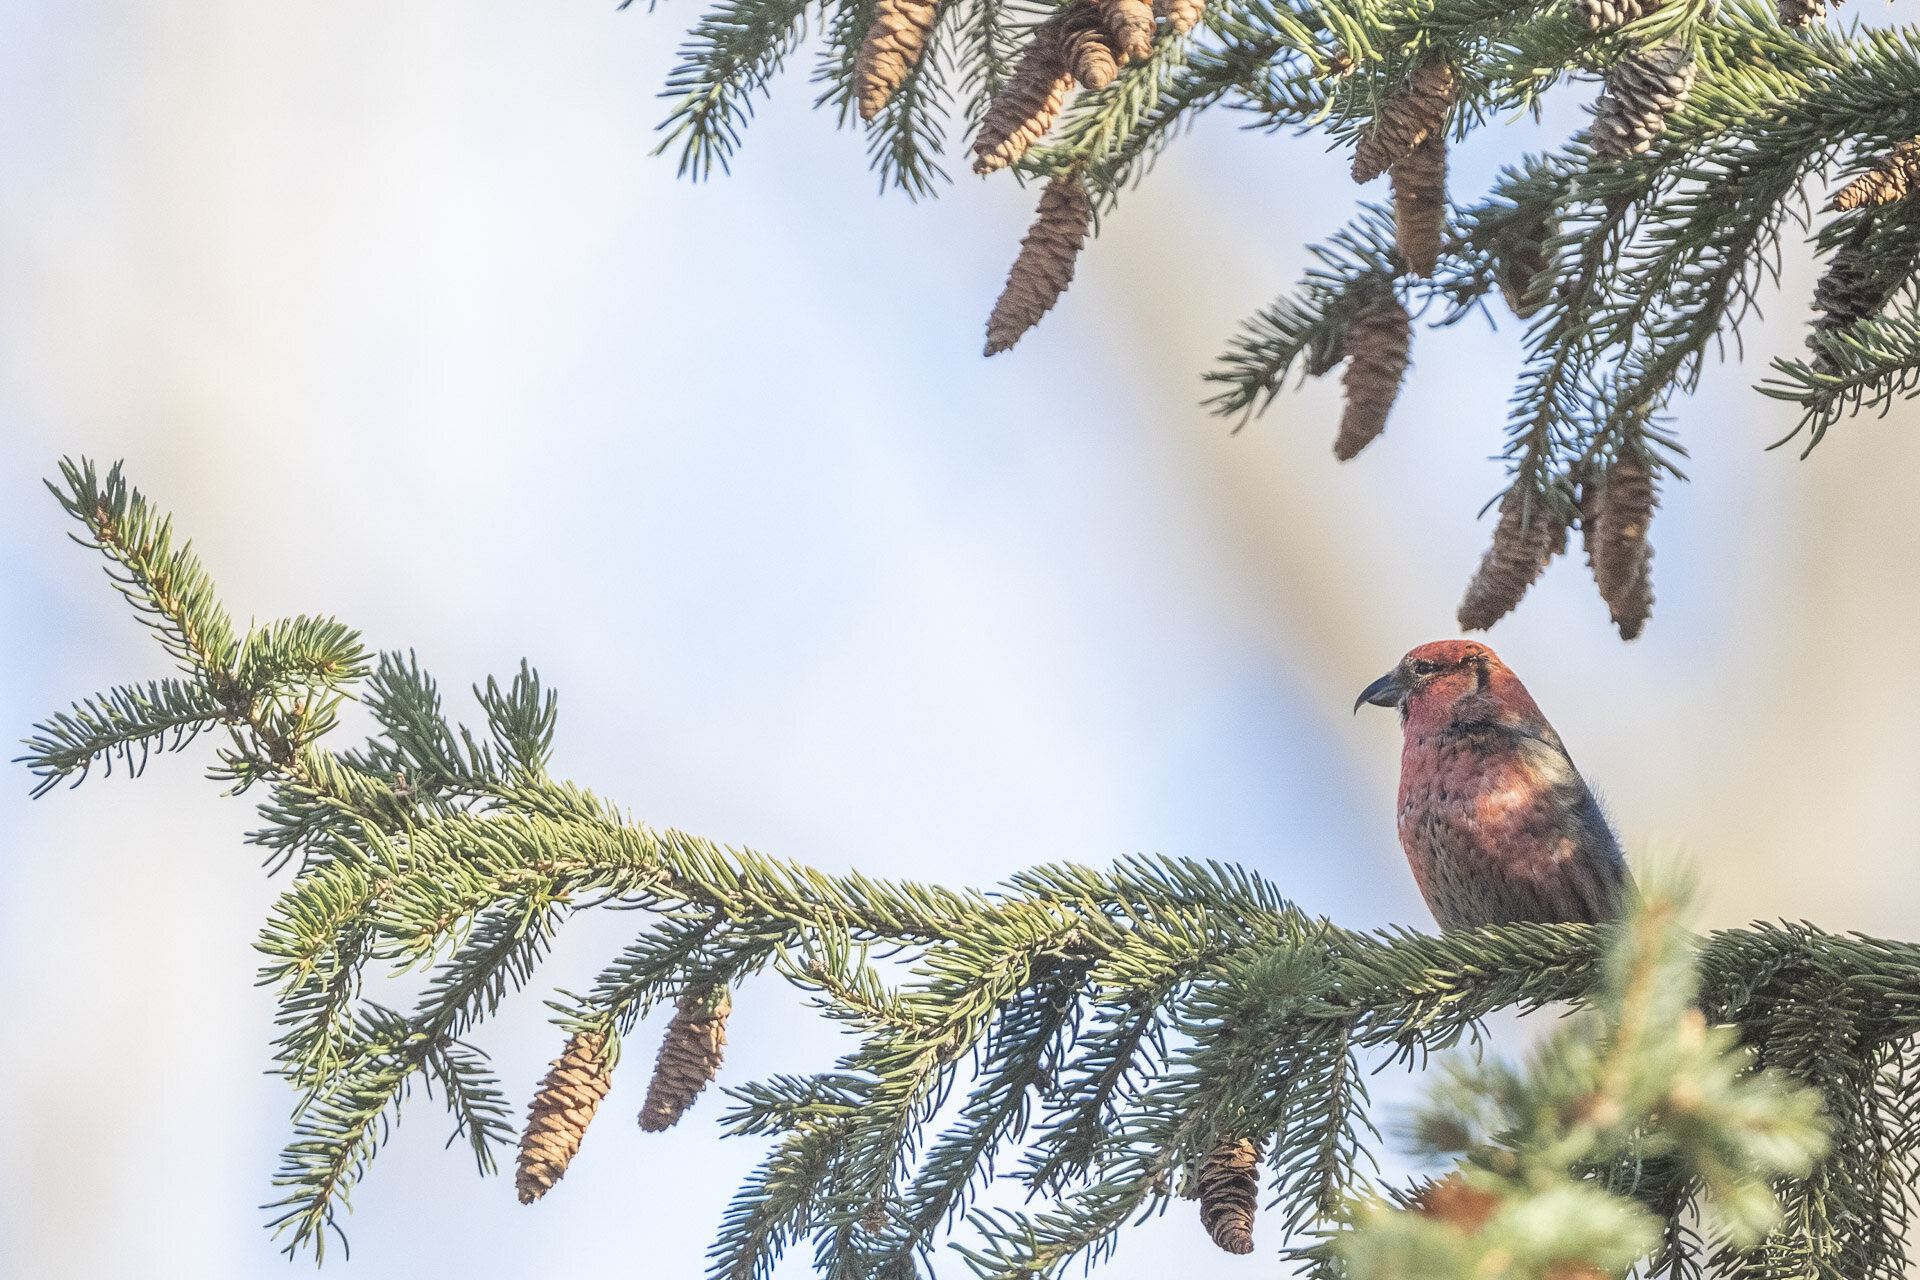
(1798, 13)
(1523, 542)
(1229, 1186)
(1847, 293)
(1044, 267)
(1376, 347)
(1414, 110)
(1027, 103)
(1455, 1203)
(1130, 23)
(1420, 202)
(1643, 89)
(689, 1057)
(1605, 15)
(1182, 15)
(558, 1117)
(1894, 176)
(893, 45)
(1087, 49)
(1524, 261)
(1615, 516)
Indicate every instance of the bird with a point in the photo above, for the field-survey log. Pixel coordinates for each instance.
(1497, 824)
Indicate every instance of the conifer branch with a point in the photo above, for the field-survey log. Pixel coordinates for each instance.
(1105, 1031)
(1636, 251)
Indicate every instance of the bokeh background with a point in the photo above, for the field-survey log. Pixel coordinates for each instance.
(389, 304)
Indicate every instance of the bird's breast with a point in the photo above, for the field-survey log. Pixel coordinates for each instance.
(1489, 825)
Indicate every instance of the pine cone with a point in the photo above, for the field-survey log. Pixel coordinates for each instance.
(1455, 1203)
(1230, 1194)
(1893, 177)
(689, 1057)
(1086, 48)
(1605, 15)
(1044, 267)
(1414, 110)
(1615, 515)
(1644, 88)
(1847, 293)
(558, 1117)
(1377, 345)
(1518, 554)
(1522, 263)
(1182, 15)
(1130, 23)
(1798, 13)
(1027, 103)
(893, 45)
(1420, 202)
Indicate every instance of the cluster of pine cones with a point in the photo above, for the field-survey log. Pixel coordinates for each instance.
(565, 1103)
(1083, 44)
(1612, 504)
(1851, 290)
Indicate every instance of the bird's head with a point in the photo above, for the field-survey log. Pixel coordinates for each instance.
(1451, 682)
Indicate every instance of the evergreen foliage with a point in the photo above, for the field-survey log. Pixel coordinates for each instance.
(1630, 253)
(1093, 1035)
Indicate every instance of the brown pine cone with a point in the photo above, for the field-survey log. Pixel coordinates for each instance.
(1130, 23)
(1414, 110)
(1376, 347)
(689, 1058)
(1087, 49)
(1846, 293)
(1615, 515)
(1521, 264)
(1044, 267)
(1420, 202)
(1605, 15)
(1182, 15)
(1027, 103)
(1523, 542)
(1643, 89)
(893, 45)
(1455, 1203)
(1798, 13)
(1229, 1186)
(558, 1117)
(1893, 177)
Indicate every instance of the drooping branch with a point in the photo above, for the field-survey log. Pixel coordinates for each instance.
(1109, 1032)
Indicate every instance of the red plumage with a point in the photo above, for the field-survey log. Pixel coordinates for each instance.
(1496, 822)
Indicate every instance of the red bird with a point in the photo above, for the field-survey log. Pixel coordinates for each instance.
(1496, 821)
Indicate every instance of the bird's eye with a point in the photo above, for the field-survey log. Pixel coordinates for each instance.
(1425, 668)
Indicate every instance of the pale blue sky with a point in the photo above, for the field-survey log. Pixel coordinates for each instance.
(390, 306)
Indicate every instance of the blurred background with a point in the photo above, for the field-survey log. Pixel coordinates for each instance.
(390, 306)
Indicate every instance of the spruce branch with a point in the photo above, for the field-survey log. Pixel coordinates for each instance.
(1098, 1033)
(128, 723)
(1637, 251)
